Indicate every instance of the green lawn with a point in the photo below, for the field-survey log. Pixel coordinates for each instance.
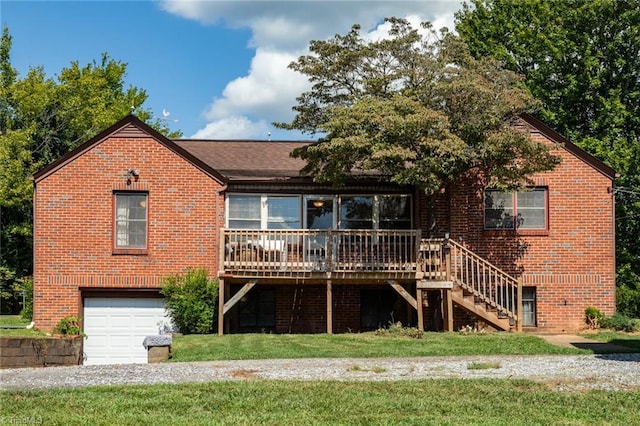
(16, 320)
(363, 345)
(438, 402)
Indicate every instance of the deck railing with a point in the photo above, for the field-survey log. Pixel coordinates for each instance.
(284, 252)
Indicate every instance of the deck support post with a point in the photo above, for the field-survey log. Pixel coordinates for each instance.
(447, 309)
(329, 308)
(419, 296)
(221, 306)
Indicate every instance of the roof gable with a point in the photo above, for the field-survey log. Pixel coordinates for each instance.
(128, 127)
(569, 146)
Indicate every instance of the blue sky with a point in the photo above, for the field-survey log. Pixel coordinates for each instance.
(219, 67)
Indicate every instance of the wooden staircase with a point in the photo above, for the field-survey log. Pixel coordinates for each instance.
(479, 287)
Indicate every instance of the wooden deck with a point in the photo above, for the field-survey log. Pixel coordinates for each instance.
(396, 257)
(314, 254)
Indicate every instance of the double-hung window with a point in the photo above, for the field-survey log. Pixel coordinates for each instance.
(526, 209)
(130, 221)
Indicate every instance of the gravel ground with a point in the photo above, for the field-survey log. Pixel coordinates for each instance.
(559, 372)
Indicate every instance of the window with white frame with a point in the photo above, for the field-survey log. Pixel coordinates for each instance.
(526, 209)
(130, 222)
(263, 212)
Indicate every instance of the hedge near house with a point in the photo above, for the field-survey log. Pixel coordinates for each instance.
(191, 300)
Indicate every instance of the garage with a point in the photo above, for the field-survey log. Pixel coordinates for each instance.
(116, 328)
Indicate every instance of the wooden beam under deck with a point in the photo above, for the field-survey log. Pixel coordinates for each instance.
(404, 293)
(239, 295)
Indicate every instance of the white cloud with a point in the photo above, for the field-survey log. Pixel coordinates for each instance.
(281, 30)
(270, 88)
(233, 127)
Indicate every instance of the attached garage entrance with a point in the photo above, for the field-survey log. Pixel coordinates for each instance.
(116, 327)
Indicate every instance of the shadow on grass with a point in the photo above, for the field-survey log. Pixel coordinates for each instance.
(611, 347)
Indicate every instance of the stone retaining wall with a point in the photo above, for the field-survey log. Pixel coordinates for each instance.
(18, 352)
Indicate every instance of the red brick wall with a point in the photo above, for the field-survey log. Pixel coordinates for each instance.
(74, 224)
(572, 265)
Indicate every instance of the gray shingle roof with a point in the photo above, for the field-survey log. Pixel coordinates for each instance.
(247, 159)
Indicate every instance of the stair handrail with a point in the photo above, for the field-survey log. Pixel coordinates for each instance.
(497, 288)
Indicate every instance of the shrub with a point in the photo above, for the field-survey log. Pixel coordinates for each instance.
(593, 316)
(191, 301)
(69, 326)
(628, 301)
(620, 322)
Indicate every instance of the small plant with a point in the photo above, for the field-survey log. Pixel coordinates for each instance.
(375, 369)
(483, 365)
(70, 326)
(593, 317)
(396, 329)
(473, 329)
(620, 322)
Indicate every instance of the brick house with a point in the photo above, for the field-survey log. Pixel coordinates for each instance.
(130, 206)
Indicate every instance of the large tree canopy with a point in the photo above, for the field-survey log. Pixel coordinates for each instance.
(415, 106)
(580, 58)
(41, 119)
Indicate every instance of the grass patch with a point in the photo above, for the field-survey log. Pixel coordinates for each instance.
(484, 401)
(375, 369)
(630, 340)
(483, 365)
(17, 320)
(363, 345)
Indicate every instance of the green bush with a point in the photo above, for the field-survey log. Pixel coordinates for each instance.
(593, 316)
(620, 322)
(628, 301)
(191, 300)
(69, 326)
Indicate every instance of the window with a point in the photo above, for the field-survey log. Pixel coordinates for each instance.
(394, 212)
(356, 212)
(529, 306)
(130, 220)
(264, 212)
(375, 212)
(525, 209)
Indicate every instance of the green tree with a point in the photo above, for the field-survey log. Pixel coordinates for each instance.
(580, 58)
(415, 106)
(41, 119)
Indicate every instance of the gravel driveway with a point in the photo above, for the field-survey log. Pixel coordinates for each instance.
(559, 372)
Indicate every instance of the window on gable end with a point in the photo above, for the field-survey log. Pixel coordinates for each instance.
(526, 209)
(130, 221)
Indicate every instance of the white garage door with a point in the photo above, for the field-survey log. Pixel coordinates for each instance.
(116, 328)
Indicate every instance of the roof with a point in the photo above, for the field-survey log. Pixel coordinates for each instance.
(247, 159)
(251, 160)
(125, 125)
(569, 146)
